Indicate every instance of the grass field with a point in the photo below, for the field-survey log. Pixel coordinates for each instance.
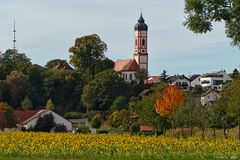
(63, 146)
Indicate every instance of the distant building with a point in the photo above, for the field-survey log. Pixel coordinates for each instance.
(29, 118)
(195, 80)
(209, 97)
(153, 79)
(128, 67)
(180, 81)
(215, 80)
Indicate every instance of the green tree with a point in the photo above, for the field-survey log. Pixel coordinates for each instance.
(7, 118)
(26, 103)
(235, 73)
(87, 52)
(96, 121)
(50, 105)
(119, 103)
(100, 93)
(18, 86)
(11, 60)
(164, 76)
(232, 94)
(219, 117)
(44, 123)
(201, 14)
(120, 119)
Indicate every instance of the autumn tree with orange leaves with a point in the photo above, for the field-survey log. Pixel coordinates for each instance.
(172, 98)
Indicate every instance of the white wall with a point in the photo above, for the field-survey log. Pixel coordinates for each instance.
(57, 119)
(209, 98)
(126, 76)
(196, 82)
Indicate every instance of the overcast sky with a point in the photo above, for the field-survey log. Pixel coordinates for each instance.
(46, 29)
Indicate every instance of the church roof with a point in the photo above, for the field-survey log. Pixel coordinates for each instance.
(126, 65)
(141, 25)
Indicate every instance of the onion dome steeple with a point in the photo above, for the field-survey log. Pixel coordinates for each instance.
(141, 25)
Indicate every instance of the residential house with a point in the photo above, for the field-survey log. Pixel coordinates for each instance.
(215, 80)
(195, 80)
(209, 97)
(29, 118)
(153, 79)
(180, 81)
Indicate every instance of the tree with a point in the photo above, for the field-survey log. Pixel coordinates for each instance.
(7, 118)
(96, 121)
(100, 93)
(141, 76)
(231, 94)
(201, 15)
(119, 103)
(164, 76)
(120, 119)
(171, 99)
(50, 105)
(87, 52)
(186, 115)
(14, 61)
(26, 103)
(235, 73)
(220, 118)
(44, 123)
(18, 86)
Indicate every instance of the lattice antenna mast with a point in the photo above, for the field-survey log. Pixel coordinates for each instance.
(14, 36)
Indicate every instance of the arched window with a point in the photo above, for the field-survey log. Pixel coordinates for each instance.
(143, 42)
(135, 42)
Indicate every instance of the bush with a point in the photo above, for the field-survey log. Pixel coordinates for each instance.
(82, 130)
(60, 128)
(96, 121)
(45, 123)
(134, 128)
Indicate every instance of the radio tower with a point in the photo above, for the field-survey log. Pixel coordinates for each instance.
(14, 36)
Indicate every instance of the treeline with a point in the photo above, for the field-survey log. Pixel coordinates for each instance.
(90, 85)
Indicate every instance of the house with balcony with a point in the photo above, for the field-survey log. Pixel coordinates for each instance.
(215, 80)
(180, 81)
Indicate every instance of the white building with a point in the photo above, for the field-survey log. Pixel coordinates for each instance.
(29, 118)
(215, 80)
(195, 80)
(180, 81)
(209, 97)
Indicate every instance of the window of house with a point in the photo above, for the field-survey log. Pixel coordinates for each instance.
(130, 76)
(126, 77)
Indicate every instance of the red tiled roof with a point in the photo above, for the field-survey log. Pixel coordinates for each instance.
(145, 128)
(64, 66)
(26, 116)
(22, 115)
(126, 65)
(152, 79)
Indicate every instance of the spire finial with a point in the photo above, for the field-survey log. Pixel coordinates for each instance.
(14, 36)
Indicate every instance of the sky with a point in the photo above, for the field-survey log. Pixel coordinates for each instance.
(46, 29)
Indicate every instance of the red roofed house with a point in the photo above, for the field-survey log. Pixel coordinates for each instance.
(129, 67)
(153, 79)
(29, 118)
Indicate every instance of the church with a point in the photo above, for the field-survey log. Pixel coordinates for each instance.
(128, 67)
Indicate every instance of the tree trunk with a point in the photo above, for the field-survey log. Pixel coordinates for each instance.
(238, 129)
(214, 132)
(191, 131)
(224, 132)
(203, 131)
(182, 131)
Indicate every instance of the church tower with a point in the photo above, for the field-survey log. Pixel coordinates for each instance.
(141, 44)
